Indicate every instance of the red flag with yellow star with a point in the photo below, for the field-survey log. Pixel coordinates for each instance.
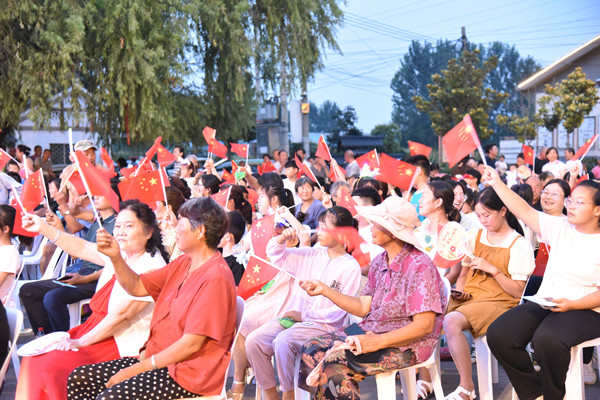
(32, 192)
(241, 149)
(222, 197)
(97, 179)
(541, 260)
(323, 150)
(75, 179)
(227, 177)
(528, 154)
(345, 200)
(258, 273)
(583, 150)
(145, 187)
(304, 170)
(260, 234)
(419, 149)
(396, 172)
(217, 148)
(369, 158)
(164, 156)
(209, 134)
(336, 173)
(266, 167)
(348, 236)
(460, 141)
(4, 158)
(18, 225)
(110, 165)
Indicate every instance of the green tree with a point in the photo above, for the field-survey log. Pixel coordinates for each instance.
(325, 117)
(416, 68)
(458, 90)
(347, 122)
(569, 101)
(392, 137)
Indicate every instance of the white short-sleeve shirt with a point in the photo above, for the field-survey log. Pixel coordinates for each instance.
(9, 264)
(573, 269)
(130, 338)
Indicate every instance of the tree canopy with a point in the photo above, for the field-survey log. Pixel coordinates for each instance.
(157, 67)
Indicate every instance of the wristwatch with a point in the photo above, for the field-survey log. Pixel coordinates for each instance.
(68, 212)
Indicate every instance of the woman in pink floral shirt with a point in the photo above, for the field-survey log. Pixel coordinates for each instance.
(402, 306)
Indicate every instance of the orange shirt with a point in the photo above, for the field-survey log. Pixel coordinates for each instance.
(205, 304)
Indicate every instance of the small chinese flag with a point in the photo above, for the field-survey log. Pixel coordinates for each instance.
(32, 192)
(110, 165)
(369, 158)
(347, 235)
(266, 167)
(418, 149)
(346, 200)
(396, 172)
(258, 273)
(4, 158)
(234, 167)
(145, 187)
(304, 170)
(583, 150)
(460, 141)
(97, 180)
(18, 225)
(323, 150)
(260, 234)
(222, 197)
(217, 148)
(240, 149)
(227, 177)
(252, 197)
(164, 156)
(528, 154)
(541, 260)
(209, 134)
(75, 179)
(336, 173)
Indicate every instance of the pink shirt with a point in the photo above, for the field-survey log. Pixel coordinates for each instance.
(409, 285)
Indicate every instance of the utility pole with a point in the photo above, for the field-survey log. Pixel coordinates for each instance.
(305, 107)
(464, 39)
(284, 143)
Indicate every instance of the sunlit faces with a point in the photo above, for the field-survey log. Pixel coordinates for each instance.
(305, 192)
(459, 197)
(580, 206)
(428, 204)
(90, 154)
(491, 220)
(325, 238)
(263, 202)
(130, 232)
(381, 236)
(552, 199)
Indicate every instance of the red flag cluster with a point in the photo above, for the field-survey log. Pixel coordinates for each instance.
(146, 187)
(396, 172)
(323, 150)
(460, 141)
(97, 179)
(258, 273)
(260, 234)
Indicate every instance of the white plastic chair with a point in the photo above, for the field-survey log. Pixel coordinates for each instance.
(386, 381)
(33, 259)
(240, 304)
(75, 312)
(15, 323)
(487, 368)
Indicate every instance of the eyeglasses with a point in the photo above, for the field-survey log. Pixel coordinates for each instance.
(552, 194)
(575, 203)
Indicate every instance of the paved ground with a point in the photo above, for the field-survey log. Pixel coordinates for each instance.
(502, 390)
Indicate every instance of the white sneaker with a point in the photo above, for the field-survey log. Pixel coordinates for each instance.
(589, 375)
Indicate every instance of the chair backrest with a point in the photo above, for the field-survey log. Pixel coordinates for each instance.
(35, 246)
(56, 263)
(16, 281)
(532, 286)
(240, 306)
(15, 323)
(447, 290)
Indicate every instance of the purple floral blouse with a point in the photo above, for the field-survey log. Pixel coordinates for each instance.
(410, 285)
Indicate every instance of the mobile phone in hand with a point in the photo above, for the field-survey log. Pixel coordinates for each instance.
(64, 278)
(354, 330)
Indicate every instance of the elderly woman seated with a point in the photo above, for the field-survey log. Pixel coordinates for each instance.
(402, 305)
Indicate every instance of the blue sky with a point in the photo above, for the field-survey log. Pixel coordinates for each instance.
(376, 34)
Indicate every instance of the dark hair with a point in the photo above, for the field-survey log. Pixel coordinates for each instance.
(521, 155)
(181, 186)
(475, 174)
(380, 187)
(469, 193)
(489, 199)
(443, 190)
(148, 220)
(37, 146)
(368, 192)
(180, 149)
(434, 166)
(122, 162)
(210, 182)
(545, 175)
(24, 149)
(7, 218)
(174, 198)
(56, 182)
(291, 164)
(236, 225)
(15, 176)
(551, 148)
(525, 191)
(284, 196)
(489, 147)
(563, 185)
(207, 212)
(270, 178)
(241, 204)
(303, 181)
(420, 161)
(339, 216)
(570, 150)
(190, 165)
(593, 185)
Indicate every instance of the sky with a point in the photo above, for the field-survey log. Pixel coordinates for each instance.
(376, 35)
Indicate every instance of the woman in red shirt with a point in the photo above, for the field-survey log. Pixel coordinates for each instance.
(193, 325)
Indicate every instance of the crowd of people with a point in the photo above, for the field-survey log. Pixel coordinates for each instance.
(162, 277)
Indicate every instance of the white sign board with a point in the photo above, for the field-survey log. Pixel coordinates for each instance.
(544, 137)
(586, 130)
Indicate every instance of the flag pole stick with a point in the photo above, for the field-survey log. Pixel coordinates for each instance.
(14, 190)
(45, 190)
(412, 182)
(140, 166)
(62, 186)
(482, 154)
(162, 182)
(11, 157)
(25, 166)
(89, 192)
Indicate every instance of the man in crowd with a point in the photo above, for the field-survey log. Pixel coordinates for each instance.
(352, 167)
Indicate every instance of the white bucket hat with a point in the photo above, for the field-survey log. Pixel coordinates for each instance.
(396, 215)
